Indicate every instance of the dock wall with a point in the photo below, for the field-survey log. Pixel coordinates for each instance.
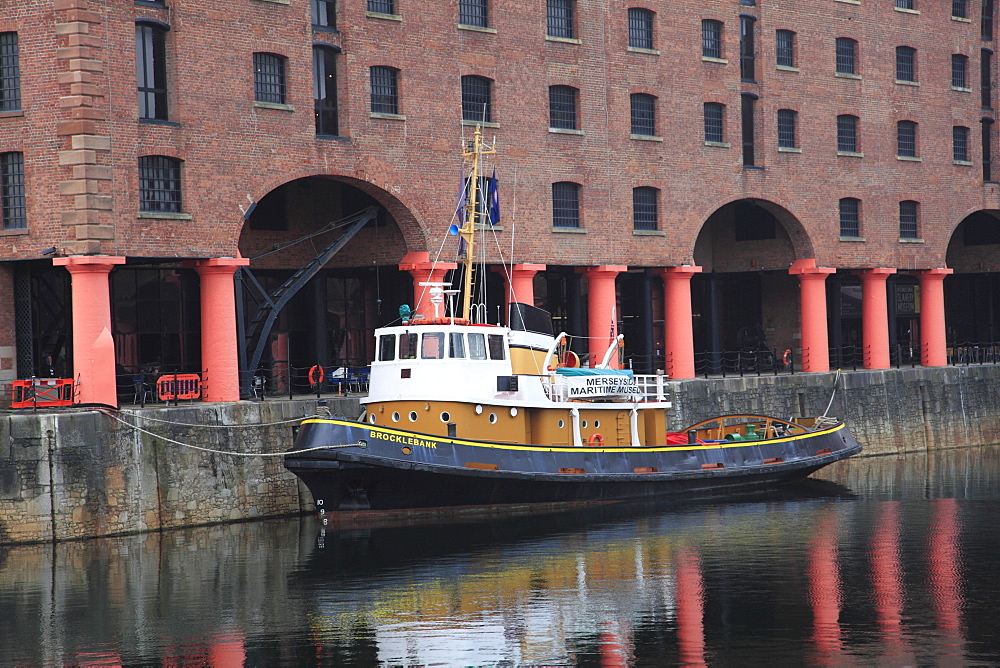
(83, 473)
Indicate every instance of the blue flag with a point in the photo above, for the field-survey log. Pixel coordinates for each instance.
(493, 198)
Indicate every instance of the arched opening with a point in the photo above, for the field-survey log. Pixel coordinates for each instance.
(972, 293)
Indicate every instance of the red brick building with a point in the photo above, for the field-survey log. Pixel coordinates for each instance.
(745, 175)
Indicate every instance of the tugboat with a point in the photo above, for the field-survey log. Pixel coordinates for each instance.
(461, 412)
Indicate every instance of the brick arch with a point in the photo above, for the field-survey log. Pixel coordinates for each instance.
(798, 242)
(981, 255)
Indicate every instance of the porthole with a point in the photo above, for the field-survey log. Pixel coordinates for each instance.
(513, 412)
(479, 410)
(371, 418)
(407, 450)
(583, 424)
(597, 424)
(413, 416)
(446, 417)
(395, 416)
(493, 418)
(561, 424)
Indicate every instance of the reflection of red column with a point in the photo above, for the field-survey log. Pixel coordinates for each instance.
(945, 580)
(612, 646)
(424, 271)
(887, 579)
(812, 311)
(934, 349)
(93, 347)
(690, 608)
(824, 591)
(219, 349)
(678, 328)
(228, 651)
(875, 317)
(602, 314)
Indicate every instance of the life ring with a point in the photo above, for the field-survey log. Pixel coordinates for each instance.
(786, 359)
(315, 374)
(596, 440)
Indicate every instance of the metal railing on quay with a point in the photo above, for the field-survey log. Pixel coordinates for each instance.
(280, 379)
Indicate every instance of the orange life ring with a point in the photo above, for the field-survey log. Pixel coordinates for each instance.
(596, 440)
(786, 359)
(315, 374)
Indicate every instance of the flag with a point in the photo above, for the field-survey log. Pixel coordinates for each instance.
(463, 198)
(494, 199)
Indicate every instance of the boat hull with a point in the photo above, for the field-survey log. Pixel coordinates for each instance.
(384, 469)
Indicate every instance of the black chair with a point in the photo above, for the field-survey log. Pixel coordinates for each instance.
(143, 392)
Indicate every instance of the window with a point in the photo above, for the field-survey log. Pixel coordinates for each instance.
(477, 99)
(905, 4)
(908, 228)
(711, 39)
(986, 21)
(748, 120)
(562, 107)
(959, 9)
(565, 204)
(382, 6)
(559, 16)
(987, 130)
(408, 346)
(748, 62)
(786, 128)
(386, 347)
(784, 46)
(159, 184)
(644, 208)
(325, 90)
(324, 14)
(643, 114)
(906, 139)
(847, 133)
(850, 217)
(640, 28)
(495, 342)
(986, 78)
(713, 122)
(473, 13)
(960, 144)
(477, 347)
(10, 72)
(959, 71)
(151, 70)
(847, 55)
(12, 207)
(906, 64)
(385, 90)
(269, 78)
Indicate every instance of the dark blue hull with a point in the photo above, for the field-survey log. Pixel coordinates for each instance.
(394, 469)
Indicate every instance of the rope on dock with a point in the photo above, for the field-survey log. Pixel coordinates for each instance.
(218, 426)
(228, 452)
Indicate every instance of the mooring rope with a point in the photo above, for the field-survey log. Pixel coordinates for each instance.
(219, 426)
(229, 452)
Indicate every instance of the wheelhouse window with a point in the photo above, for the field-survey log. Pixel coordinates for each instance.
(908, 222)
(10, 72)
(906, 64)
(325, 90)
(960, 143)
(748, 56)
(477, 346)
(906, 139)
(13, 212)
(456, 345)
(643, 114)
(787, 120)
(711, 39)
(432, 346)
(959, 71)
(408, 346)
(269, 78)
(850, 217)
(324, 14)
(151, 70)
(645, 216)
(159, 184)
(847, 133)
(565, 204)
(640, 28)
(386, 347)
(477, 99)
(473, 13)
(784, 46)
(495, 342)
(847, 55)
(559, 18)
(562, 107)
(385, 90)
(714, 112)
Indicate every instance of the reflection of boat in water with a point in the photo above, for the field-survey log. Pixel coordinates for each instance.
(461, 412)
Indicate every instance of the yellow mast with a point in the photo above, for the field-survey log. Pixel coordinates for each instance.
(468, 229)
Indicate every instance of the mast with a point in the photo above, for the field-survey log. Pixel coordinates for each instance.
(468, 229)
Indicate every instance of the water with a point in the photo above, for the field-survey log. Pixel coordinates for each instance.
(889, 561)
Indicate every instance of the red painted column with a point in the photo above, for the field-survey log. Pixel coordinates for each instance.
(219, 356)
(93, 346)
(678, 331)
(602, 312)
(812, 311)
(518, 284)
(933, 345)
(424, 271)
(875, 316)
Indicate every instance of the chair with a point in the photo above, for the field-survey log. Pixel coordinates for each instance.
(259, 386)
(143, 392)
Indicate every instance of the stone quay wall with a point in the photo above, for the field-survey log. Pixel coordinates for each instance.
(82, 473)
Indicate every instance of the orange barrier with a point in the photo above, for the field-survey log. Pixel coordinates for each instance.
(178, 386)
(43, 392)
